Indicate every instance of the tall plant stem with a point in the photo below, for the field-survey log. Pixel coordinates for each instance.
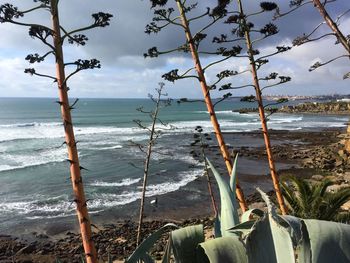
(78, 189)
(265, 131)
(333, 26)
(209, 104)
(342, 40)
(146, 166)
(210, 188)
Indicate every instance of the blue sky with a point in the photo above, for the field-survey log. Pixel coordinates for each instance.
(125, 73)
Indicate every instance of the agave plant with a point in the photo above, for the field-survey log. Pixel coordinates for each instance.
(313, 201)
(258, 237)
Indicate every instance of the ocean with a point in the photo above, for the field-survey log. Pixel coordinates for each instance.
(34, 175)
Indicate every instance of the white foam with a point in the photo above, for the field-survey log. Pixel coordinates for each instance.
(106, 148)
(55, 130)
(31, 124)
(55, 204)
(113, 200)
(124, 182)
(24, 160)
(60, 206)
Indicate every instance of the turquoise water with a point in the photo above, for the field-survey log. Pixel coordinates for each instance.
(34, 178)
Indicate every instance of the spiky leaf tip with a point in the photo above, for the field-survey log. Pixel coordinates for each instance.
(346, 76)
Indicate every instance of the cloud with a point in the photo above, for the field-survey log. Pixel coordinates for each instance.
(125, 73)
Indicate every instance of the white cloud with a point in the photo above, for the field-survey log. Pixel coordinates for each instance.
(125, 73)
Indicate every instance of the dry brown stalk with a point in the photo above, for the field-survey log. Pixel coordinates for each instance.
(333, 26)
(265, 131)
(147, 161)
(209, 104)
(342, 40)
(78, 189)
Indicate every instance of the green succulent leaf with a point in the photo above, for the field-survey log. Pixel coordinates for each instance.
(167, 252)
(243, 229)
(270, 241)
(224, 249)
(248, 214)
(147, 244)
(228, 213)
(234, 175)
(217, 226)
(185, 241)
(327, 241)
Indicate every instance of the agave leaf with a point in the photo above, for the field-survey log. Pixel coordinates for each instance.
(185, 241)
(147, 244)
(217, 226)
(167, 252)
(329, 241)
(295, 228)
(228, 214)
(147, 258)
(234, 175)
(243, 229)
(247, 214)
(269, 240)
(224, 249)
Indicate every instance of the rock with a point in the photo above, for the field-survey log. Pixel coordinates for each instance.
(341, 153)
(346, 206)
(317, 177)
(26, 250)
(338, 163)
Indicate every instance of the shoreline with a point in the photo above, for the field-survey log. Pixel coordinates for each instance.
(292, 151)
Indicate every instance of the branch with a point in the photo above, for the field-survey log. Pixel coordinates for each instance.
(280, 49)
(341, 15)
(225, 74)
(173, 75)
(225, 97)
(42, 33)
(32, 72)
(215, 62)
(82, 65)
(279, 101)
(182, 100)
(278, 14)
(319, 64)
(200, 16)
(228, 86)
(100, 20)
(35, 58)
(283, 79)
(153, 52)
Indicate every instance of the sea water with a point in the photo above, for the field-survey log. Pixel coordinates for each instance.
(34, 174)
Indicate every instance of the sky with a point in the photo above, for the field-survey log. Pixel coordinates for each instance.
(125, 73)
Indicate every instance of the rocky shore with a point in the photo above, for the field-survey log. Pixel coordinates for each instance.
(337, 108)
(116, 241)
(314, 155)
